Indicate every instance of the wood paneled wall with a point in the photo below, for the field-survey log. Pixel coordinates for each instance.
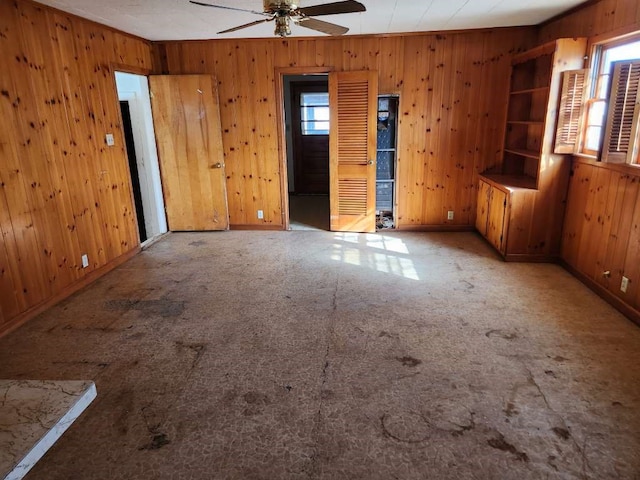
(63, 192)
(452, 87)
(602, 221)
(601, 237)
(603, 18)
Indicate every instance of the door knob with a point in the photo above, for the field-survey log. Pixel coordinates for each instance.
(218, 165)
(370, 162)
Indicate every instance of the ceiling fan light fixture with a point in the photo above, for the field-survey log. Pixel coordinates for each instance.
(283, 28)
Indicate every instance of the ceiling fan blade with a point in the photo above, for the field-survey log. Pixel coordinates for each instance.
(227, 8)
(240, 27)
(347, 6)
(320, 26)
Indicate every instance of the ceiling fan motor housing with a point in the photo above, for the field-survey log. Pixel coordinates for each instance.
(272, 6)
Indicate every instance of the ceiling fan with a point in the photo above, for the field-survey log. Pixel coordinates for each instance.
(283, 11)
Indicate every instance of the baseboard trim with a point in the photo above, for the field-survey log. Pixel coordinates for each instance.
(66, 292)
(256, 227)
(529, 258)
(435, 228)
(623, 307)
(153, 240)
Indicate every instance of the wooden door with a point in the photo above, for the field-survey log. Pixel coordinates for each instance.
(186, 118)
(309, 129)
(497, 225)
(352, 170)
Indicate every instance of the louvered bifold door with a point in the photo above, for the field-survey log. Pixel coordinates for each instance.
(352, 170)
(574, 88)
(621, 134)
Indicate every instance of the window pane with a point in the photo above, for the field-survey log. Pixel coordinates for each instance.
(315, 113)
(596, 113)
(592, 141)
(315, 128)
(628, 51)
(313, 99)
(603, 86)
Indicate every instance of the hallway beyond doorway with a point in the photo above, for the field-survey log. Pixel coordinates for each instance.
(309, 212)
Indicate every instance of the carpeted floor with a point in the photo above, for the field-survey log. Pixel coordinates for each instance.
(318, 355)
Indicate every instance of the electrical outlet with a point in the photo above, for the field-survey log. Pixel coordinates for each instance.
(85, 260)
(624, 284)
(260, 214)
(450, 215)
(109, 139)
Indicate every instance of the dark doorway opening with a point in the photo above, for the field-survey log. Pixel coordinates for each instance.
(133, 167)
(307, 126)
(310, 129)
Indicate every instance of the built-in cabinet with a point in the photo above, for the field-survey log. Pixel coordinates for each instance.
(499, 207)
(492, 209)
(521, 202)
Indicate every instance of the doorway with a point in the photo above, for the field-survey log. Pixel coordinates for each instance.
(306, 99)
(137, 123)
(125, 111)
(386, 158)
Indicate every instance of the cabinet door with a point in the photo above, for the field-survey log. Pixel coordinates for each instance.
(497, 228)
(482, 213)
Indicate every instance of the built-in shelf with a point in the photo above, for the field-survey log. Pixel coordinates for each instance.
(530, 90)
(533, 53)
(523, 153)
(522, 199)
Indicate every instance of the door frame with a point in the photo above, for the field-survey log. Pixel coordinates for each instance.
(297, 138)
(282, 140)
(115, 67)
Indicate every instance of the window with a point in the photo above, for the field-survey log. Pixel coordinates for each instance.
(314, 113)
(606, 58)
(621, 134)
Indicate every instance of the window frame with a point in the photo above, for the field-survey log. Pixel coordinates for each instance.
(304, 122)
(597, 62)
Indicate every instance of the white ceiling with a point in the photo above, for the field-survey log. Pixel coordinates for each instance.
(181, 20)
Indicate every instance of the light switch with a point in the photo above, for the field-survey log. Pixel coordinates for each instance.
(109, 139)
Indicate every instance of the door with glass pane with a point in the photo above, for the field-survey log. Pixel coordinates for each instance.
(310, 131)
